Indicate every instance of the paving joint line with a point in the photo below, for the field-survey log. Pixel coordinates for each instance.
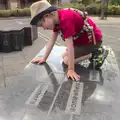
(46, 38)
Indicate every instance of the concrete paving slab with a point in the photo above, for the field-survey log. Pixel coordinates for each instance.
(11, 54)
(30, 51)
(2, 76)
(9, 61)
(14, 96)
(1, 61)
(12, 70)
(2, 80)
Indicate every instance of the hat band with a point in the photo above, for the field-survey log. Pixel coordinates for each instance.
(40, 15)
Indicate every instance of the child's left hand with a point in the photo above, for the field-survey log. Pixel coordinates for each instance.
(73, 75)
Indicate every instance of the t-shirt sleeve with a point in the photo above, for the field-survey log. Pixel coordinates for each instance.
(68, 28)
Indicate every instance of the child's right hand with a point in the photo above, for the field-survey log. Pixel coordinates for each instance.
(39, 61)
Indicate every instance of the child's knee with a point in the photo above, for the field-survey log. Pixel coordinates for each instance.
(65, 60)
(64, 54)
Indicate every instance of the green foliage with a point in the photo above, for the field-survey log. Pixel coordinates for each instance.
(93, 9)
(114, 10)
(5, 13)
(52, 1)
(87, 2)
(115, 2)
(16, 12)
(73, 5)
(23, 12)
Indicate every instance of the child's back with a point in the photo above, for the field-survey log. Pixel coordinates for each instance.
(71, 22)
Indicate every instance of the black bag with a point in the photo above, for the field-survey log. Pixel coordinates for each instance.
(27, 36)
(30, 34)
(0, 41)
(17, 39)
(34, 31)
(6, 43)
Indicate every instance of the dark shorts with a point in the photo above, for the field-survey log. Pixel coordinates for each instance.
(85, 49)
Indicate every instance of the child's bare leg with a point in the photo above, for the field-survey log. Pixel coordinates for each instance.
(82, 58)
(85, 57)
(65, 58)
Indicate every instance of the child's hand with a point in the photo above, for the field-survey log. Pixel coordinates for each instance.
(73, 75)
(39, 61)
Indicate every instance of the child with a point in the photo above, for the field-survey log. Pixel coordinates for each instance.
(75, 29)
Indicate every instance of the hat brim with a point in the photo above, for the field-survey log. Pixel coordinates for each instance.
(40, 15)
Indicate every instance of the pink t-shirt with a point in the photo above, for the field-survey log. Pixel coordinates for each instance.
(71, 22)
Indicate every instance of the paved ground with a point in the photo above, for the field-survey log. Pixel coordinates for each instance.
(12, 64)
(100, 99)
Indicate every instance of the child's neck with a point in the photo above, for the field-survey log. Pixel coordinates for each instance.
(56, 18)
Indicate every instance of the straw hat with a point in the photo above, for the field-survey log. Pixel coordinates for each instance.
(39, 9)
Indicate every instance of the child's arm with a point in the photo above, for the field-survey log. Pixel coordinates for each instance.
(50, 44)
(70, 49)
(49, 47)
(71, 70)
